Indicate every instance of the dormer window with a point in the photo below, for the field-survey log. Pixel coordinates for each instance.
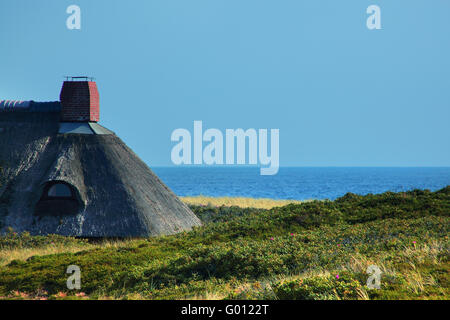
(58, 198)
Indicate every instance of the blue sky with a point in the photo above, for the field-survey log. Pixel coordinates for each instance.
(341, 95)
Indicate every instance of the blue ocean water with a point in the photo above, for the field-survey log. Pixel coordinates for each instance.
(299, 183)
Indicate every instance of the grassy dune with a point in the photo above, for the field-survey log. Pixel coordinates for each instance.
(241, 202)
(310, 250)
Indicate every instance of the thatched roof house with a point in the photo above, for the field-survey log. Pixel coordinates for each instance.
(65, 174)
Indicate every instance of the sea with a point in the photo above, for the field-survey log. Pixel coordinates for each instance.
(300, 183)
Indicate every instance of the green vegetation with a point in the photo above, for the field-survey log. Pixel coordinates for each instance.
(311, 250)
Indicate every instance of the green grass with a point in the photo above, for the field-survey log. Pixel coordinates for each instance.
(311, 250)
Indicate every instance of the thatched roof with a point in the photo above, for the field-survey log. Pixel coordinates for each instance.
(118, 195)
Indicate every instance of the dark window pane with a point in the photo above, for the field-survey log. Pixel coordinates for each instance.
(59, 190)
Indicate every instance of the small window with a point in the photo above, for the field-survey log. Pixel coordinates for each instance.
(59, 190)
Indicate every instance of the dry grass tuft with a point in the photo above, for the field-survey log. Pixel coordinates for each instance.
(238, 202)
(23, 253)
(8, 255)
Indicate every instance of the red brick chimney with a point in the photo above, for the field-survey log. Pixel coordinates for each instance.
(80, 100)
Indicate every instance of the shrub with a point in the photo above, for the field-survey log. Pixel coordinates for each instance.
(318, 288)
